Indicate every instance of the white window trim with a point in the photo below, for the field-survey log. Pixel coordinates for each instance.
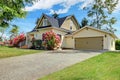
(45, 22)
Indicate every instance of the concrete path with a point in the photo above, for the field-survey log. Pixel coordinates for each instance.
(34, 66)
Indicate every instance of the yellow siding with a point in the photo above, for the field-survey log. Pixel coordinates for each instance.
(68, 42)
(62, 36)
(59, 32)
(111, 43)
(38, 35)
(67, 23)
(93, 33)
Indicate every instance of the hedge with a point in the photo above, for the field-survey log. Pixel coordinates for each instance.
(117, 44)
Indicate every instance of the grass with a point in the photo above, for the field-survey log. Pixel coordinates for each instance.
(102, 67)
(10, 52)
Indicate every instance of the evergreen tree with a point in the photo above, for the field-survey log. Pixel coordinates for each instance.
(84, 22)
(55, 15)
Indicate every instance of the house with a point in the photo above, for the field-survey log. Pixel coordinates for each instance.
(72, 36)
(1, 43)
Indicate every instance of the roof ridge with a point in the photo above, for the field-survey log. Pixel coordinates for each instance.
(58, 18)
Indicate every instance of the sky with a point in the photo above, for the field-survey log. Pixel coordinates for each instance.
(63, 8)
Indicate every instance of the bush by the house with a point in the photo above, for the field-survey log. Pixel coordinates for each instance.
(38, 44)
(1, 43)
(51, 40)
(15, 41)
(117, 44)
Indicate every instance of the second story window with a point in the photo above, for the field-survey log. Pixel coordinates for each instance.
(71, 24)
(45, 22)
(70, 27)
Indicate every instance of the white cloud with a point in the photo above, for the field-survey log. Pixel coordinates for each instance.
(48, 4)
(43, 4)
(60, 11)
(86, 3)
(66, 4)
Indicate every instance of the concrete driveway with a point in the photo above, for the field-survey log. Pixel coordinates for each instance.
(34, 66)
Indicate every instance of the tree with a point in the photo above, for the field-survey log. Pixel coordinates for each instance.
(84, 22)
(10, 9)
(2, 31)
(55, 15)
(100, 14)
(14, 31)
(117, 44)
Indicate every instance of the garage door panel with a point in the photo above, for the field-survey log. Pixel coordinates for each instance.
(80, 42)
(92, 43)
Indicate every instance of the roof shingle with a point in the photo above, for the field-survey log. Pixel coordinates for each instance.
(55, 22)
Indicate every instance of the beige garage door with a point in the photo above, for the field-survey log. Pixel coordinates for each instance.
(89, 43)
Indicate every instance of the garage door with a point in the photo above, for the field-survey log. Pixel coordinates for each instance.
(89, 43)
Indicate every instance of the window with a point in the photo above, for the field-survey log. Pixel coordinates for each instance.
(71, 24)
(70, 27)
(36, 35)
(45, 22)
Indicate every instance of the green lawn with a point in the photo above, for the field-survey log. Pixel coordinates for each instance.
(102, 67)
(10, 52)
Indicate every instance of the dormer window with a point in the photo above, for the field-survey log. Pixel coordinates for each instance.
(45, 22)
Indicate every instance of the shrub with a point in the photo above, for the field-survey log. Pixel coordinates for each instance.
(117, 44)
(51, 40)
(38, 44)
(15, 41)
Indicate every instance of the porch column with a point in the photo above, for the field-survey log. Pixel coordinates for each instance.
(26, 39)
(62, 37)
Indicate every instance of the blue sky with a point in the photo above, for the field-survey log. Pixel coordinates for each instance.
(63, 8)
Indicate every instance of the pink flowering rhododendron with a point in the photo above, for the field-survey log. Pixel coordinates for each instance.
(51, 40)
(15, 41)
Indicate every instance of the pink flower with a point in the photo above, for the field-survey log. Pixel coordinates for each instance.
(51, 39)
(15, 41)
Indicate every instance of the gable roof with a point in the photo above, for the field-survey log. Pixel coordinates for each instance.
(52, 20)
(90, 27)
(55, 22)
(73, 17)
(61, 20)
